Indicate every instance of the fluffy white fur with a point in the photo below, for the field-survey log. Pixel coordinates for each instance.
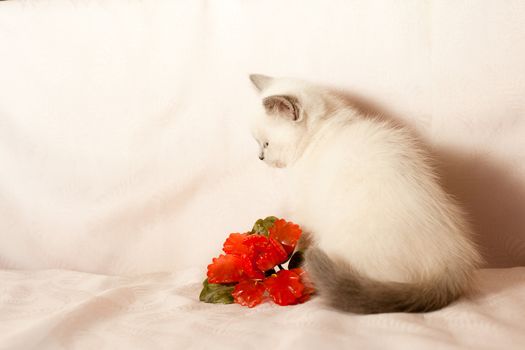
(364, 188)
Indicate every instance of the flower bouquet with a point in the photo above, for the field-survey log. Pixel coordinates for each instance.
(251, 270)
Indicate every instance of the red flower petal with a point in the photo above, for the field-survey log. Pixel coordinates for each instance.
(256, 242)
(308, 285)
(286, 233)
(285, 288)
(225, 269)
(248, 293)
(272, 255)
(234, 244)
(246, 247)
(249, 268)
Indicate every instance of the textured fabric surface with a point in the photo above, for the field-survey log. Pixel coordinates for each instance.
(60, 309)
(124, 147)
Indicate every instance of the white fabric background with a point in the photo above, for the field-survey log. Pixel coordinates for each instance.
(124, 146)
(60, 309)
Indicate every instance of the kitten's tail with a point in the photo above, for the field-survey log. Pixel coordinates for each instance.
(346, 289)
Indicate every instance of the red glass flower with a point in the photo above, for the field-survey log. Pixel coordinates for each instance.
(272, 254)
(248, 257)
(225, 269)
(286, 233)
(257, 243)
(250, 269)
(249, 293)
(235, 244)
(308, 285)
(285, 287)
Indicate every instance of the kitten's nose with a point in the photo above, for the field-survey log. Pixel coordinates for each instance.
(261, 157)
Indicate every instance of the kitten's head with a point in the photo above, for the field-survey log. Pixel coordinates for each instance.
(283, 129)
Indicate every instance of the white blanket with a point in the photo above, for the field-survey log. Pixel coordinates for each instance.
(59, 309)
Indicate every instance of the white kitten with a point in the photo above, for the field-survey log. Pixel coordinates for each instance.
(386, 236)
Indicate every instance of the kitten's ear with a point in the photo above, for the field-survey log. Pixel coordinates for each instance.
(283, 105)
(260, 81)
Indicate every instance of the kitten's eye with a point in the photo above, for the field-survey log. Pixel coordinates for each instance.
(266, 144)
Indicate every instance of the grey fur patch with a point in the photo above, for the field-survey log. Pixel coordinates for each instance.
(347, 290)
(305, 241)
(284, 105)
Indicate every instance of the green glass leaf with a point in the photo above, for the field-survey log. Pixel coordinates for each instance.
(216, 293)
(296, 260)
(262, 225)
